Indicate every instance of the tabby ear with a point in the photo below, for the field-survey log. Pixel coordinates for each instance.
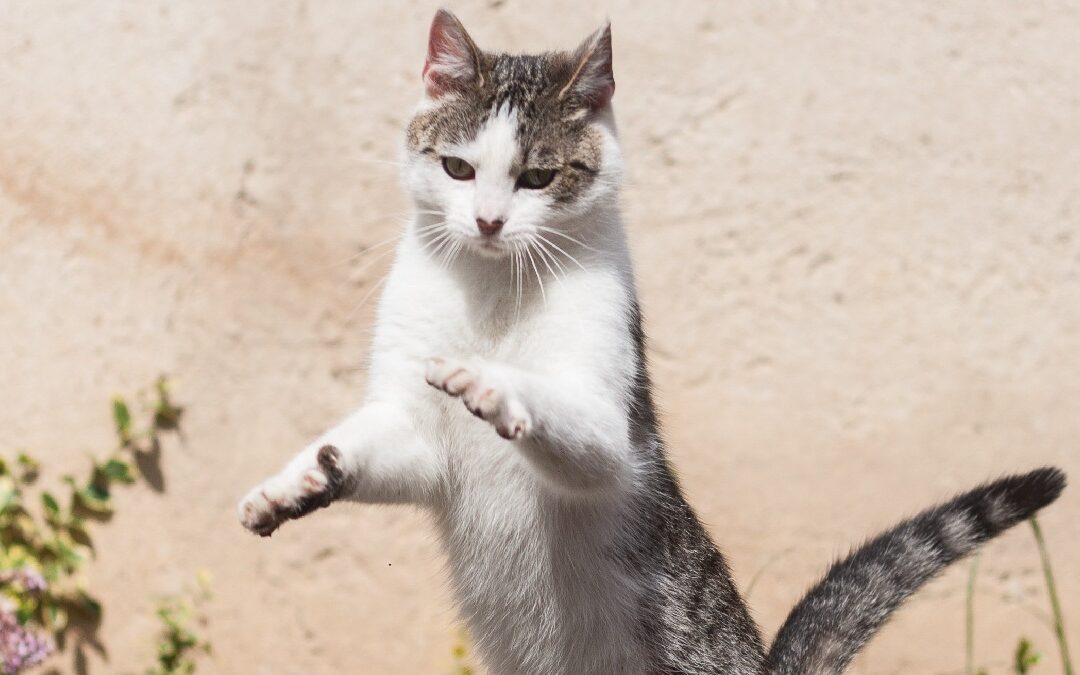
(592, 82)
(453, 61)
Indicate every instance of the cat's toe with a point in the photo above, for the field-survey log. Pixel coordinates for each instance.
(482, 401)
(259, 514)
(513, 422)
(450, 375)
(321, 485)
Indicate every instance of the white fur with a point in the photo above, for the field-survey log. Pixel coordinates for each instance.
(543, 354)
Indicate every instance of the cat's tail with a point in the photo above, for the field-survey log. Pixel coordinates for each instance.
(836, 618)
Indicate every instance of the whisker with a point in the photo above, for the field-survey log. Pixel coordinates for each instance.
(368, 249)
(436, 237)
(428, 228)
(403, 215)
(359, 273)
(397, 215)
(572, 258)
(364, 299)
(539, 281)
(372, 160)
(443, 250)
(518, 262)
(543, 254)
(431, 247)
(566, 236)
(440, 251)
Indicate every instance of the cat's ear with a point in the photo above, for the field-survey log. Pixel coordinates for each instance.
(592, 82)
(453, 60)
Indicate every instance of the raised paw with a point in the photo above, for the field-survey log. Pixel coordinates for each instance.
(486, 393)
(291, 495)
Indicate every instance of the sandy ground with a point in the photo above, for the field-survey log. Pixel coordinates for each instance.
(857, 231)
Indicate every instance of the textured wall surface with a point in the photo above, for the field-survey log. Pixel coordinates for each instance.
(857, 232)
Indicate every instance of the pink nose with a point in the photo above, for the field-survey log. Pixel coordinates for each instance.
(489, 229)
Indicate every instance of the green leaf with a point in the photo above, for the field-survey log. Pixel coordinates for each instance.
(95, 498)
(52, 507)
(29, 466)
(118, 470)
(122, 419)
(53, 571)
(65, 553)
(97, 492)
(166, 413)
(56, 617)
(9, 492)
(1025, 657)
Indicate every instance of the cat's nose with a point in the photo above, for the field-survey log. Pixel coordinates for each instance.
(489, 228)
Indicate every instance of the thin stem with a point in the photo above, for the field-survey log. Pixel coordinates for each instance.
(1055, 603)
(969, 618)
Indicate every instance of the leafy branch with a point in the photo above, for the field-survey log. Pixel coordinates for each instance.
(43, 550)
(182, 618)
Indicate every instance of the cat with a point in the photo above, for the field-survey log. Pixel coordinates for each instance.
(508, 395)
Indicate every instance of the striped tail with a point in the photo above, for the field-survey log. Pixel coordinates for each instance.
(844, 610)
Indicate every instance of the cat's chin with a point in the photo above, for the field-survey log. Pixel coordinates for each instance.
(487, 248)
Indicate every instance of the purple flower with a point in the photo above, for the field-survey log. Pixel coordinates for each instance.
(19, 647)
(32, 581)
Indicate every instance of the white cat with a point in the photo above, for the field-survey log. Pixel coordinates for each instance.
(508, 394)
(529, 326)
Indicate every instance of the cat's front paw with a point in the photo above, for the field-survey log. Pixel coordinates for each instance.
(484, 391)
(291, 495)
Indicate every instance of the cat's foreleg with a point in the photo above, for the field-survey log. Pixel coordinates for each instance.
(374, 456)
(575, 434)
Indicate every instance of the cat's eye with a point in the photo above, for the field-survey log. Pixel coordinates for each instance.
(458, 169)
(535, 179)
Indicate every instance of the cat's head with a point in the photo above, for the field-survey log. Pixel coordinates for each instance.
(503, 146)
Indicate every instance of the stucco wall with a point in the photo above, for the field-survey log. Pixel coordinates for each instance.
(857, 231)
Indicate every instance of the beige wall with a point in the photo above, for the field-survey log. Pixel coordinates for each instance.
(857, 230)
